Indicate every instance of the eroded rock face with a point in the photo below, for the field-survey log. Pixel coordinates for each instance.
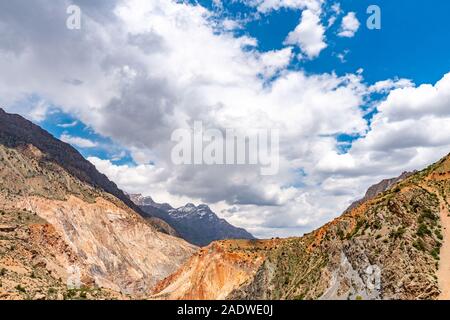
(111, 243)
(116, 247)
(215, 271)
(34, 259)
(385, 247)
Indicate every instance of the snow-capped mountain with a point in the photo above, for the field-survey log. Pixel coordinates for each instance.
(197, 224)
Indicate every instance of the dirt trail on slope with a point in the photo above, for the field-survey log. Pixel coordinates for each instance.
(443, 273)
(444, 264)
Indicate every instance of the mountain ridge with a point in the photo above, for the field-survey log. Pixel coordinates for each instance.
(111, 244)
(198, 225)
(388, 246)
(17, 132)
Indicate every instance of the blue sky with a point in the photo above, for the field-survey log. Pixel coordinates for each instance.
(62, 124)
(352, 109)
(412, 43)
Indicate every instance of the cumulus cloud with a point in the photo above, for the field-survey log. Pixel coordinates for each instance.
(274, 61)
(146, 179)
(400, 137)
(147, 68)
(418, 102)
(309, 35)
(350, 25)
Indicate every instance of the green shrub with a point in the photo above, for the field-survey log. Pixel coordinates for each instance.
(427, 214)
(419, 245)
(435, 253)
(423, 230)
(396, 234)
(21, 289)
(51, 290)
(377, 225)
(83, 294)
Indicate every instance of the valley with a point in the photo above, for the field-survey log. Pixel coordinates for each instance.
(59, 214)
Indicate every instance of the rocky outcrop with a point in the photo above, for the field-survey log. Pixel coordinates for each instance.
(215, 271)
(34, 259)
(378, 188)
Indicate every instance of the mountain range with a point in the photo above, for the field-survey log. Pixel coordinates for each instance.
(198, 225)
(59, 214)
(62, 222)
(392, 244)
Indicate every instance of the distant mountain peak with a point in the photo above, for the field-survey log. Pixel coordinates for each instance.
(196, 224)
(188, 207)
(141, 200)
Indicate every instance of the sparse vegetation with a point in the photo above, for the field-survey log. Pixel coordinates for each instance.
(435, 253)
(423, 230)
(20, 288)
(419, 245)
(397, 234)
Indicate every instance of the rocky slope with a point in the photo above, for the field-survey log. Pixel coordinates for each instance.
(388, 246)
(198, 225)
(215, 271)
(17, 132)
(103, 235)
(378, 188)
(33, 262)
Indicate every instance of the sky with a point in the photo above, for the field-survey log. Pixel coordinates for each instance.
(353, 105)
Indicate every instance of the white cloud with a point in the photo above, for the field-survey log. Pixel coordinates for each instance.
(350, 25)
(39, 111)
(68, 125)
(343, 56)
(385, 86)
(146, 68)
(402, 135)
(418, 102)
(143, 78)
(269, 5)
(336, 11)
(309, 35)
(77, 141)
(274, 61)
(146, 179)
(336, 8)
(229, 25)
